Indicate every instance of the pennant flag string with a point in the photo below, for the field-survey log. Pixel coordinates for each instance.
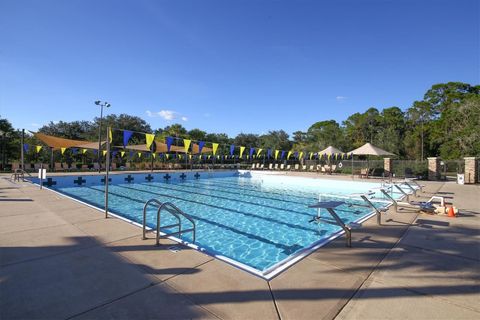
(242, 149)
(186, 143)
(214, 147)
(127, 134)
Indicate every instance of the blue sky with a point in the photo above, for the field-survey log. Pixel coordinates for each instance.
(229, 66)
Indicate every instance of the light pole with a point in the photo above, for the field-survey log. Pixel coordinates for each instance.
(106, 105)
(4, 136)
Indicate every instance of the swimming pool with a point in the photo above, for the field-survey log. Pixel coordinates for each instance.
(259, 222)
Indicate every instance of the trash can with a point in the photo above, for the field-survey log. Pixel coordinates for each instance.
(460, 178)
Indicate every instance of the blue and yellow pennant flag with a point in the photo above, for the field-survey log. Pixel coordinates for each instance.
(242, 149)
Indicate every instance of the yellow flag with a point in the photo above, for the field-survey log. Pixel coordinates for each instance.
(167, 155)
(149, 137)
(104, 152)
(208, 156)
(139, 154)
(84, 150)
(186, 143)
(301, 155)
(241, 151)
(215, 147)
(154, 155)
(259, 151)
(110, 135)
(190, 156)
(289, 154)
(122, 153)
(276, 154)
(311, 155)
(38, 148)
(63, 150)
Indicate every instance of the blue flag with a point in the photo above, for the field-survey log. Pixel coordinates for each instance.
(232, 149)
(74, 150)
(252, 150)
(169, 141)
(127, 134)
(200, 146)
(283, 154)
(25, 147)
(269, 153)
(296, 154)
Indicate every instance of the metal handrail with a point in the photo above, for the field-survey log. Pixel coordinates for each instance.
(174, 211)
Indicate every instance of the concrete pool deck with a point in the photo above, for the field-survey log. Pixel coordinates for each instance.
(61, 259)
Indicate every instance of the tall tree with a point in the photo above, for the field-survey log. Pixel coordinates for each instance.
(275, 140)
(323, 134)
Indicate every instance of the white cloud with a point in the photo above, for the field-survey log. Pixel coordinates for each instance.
(341, 98)
(168, 115)
(35, 124)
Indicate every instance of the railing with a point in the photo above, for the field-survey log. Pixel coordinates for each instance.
(175, 212)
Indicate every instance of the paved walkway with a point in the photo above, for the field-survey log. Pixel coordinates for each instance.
(60, 259)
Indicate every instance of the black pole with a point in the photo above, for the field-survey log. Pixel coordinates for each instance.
(22, 160)
(3, 150)
(100, 139)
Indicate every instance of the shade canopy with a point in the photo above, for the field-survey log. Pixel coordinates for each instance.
(57, 143)
(370, 149)
(330, 150)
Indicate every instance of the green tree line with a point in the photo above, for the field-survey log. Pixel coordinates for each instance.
(445, 123)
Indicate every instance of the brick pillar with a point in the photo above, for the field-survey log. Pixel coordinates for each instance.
(471, 173)
(433, 168)
(388, 166)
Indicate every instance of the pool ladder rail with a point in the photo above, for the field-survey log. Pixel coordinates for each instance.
(330, 206)
(175, 212)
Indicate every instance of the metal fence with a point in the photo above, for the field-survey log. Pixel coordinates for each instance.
(410, 168)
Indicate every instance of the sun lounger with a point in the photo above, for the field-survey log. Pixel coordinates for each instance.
(311, 168)
(304, 167)
(276, 166)
(364, 173)
(289, 167)
(282, 166)
(297, 167)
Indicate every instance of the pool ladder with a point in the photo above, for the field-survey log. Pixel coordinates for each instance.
(175, 212)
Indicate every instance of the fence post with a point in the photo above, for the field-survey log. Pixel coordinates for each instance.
(471, 170)
(433, 168)
(387, 167)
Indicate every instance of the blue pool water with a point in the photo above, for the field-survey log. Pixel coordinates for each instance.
(259, 221)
